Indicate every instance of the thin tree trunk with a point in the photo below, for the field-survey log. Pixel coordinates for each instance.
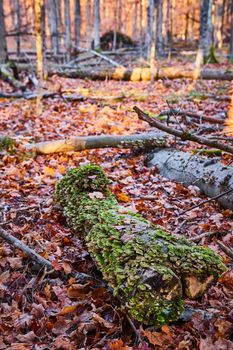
(116, 19)
(77, 22)
(167, 21)
(96, 24)
(88, 17)
(231, 36)
(218, 24)
(149, 34)
(67, 28)
(39, 51)
(52, 17)
(3, 46)
(159, 28)
(135, 20)
(18, 27)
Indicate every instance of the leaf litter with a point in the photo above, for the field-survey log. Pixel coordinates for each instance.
(39, 311)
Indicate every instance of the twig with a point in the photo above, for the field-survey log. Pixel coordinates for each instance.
(226, 250)
(36, 257)
(177, 112)
(183, 135)
(207, 201)
(203, 235)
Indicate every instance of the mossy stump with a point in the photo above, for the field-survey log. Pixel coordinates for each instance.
(149, 270)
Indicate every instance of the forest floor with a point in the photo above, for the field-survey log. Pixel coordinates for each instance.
(40, 311)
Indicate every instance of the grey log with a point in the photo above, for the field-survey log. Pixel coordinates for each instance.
(212, 177)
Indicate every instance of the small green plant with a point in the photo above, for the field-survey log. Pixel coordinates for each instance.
(7, 144)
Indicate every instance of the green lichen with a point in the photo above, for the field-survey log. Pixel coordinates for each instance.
(146, 266)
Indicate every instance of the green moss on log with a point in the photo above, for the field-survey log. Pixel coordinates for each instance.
(149, 270)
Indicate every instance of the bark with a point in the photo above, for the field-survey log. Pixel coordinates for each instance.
(231, 34)
(18, 27)
(77, 22)
(178, 112)
(39, 51)
(218, 24)
(209, 175)
(96, 24)
(137, 74)
(88, 16)
(149, 34)
(3, 47)
(67, 28)
(79, 143)
(159, 28)
(53, 26)
(149, 270)
(205, 32)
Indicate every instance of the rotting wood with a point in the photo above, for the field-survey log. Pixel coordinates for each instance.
(149, 270)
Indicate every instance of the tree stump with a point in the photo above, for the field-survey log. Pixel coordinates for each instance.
(150, 270)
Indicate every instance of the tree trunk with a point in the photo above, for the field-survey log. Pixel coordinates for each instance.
(77, 23)
(137, 141)
(159, 28)
(231, 35)
(67, 28)
(53, 25)
(3, 47)
(18, 49)
(88, 17)
(96, 24)
(39, 51)
(218, 24)
(135, 20)
(149, 34)
(209, 175)
(205, 32)
(149, 270)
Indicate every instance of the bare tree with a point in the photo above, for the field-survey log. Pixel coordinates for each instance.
(67, 28)
(77, 22)
(3, 47)
(88, 17)
(18, 12)
(149, 34)
(39, 51)
(159, 28)
(205, 35)
(96, 24)
(231, 35)
(53, 25)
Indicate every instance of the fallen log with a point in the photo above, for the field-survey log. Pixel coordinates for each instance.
(212, 177)
(80, 143)
(136, 74)
(150, 270)
(177, 112)
(182, 134)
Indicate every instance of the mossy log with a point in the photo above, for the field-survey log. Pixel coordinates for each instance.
(150, 270)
